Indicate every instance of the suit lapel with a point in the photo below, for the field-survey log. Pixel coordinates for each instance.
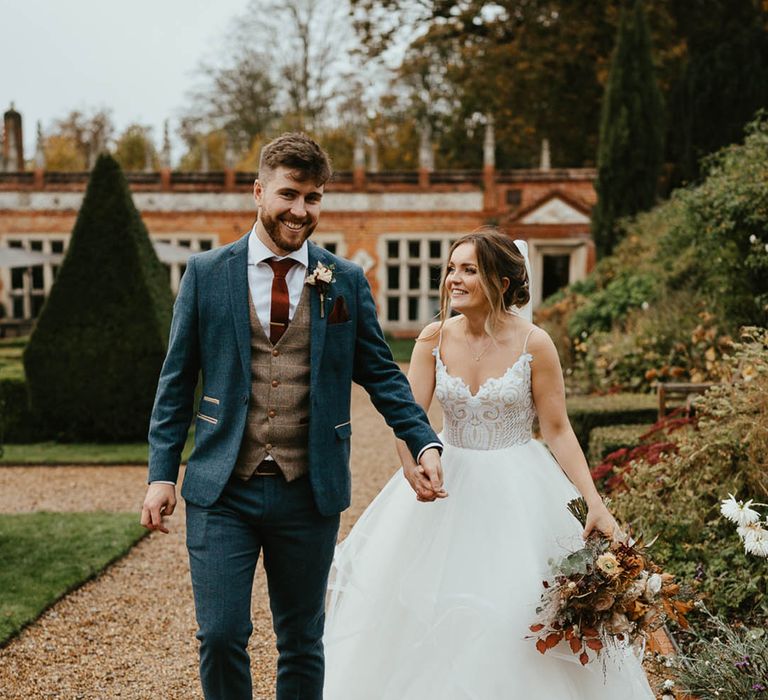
(237, 270)
(316, 323)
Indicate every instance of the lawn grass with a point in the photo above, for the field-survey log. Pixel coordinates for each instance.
(43, 556)
(11, 365)
(401, 348)
(82, 453)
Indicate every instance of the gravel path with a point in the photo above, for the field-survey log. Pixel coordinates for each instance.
(129, 634)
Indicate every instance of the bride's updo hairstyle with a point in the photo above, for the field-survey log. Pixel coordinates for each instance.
(497, 257)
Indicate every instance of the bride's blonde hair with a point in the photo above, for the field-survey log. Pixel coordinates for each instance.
(497, 257)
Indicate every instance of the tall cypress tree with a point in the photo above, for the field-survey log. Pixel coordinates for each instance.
(631, 145)
(93, 360)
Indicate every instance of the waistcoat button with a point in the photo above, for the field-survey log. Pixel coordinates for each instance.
(272, 413)
(275, 382)
(275, 352)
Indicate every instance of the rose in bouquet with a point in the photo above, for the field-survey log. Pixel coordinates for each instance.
(608, 593)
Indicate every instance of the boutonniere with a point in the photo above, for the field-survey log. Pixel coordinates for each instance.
(322, 278)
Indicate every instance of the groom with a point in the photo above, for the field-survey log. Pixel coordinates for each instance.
(278, 329)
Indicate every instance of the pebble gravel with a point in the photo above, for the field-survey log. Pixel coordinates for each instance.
(130, 633)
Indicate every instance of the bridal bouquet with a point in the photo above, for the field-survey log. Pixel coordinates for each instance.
(608, 593)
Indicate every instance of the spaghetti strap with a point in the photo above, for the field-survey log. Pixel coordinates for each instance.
(525, 344)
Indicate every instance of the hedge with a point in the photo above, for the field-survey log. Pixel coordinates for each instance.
(589, 412)
(94, 357)
(609, 438)
(16, 421)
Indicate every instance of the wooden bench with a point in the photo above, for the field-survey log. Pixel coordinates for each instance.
(681, 394)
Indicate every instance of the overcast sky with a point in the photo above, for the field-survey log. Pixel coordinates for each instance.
(137, 58)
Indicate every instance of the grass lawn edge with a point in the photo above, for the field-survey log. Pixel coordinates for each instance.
(71, 589)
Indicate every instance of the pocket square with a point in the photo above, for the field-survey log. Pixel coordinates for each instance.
(339, 312)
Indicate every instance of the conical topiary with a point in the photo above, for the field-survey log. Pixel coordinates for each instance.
(631, 148)
(93, 360)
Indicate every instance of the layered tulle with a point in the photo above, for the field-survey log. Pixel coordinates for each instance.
(433, 601)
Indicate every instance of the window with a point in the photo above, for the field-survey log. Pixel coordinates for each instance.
(192, 242)
(410, 275)
(24, 289)
(333, 242)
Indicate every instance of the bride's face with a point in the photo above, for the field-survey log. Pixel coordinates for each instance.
(462, 280)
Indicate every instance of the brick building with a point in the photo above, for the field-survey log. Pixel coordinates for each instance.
(397, 225)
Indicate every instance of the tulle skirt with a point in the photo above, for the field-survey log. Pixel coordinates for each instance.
(433, 601)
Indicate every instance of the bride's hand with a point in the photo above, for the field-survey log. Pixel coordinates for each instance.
(416, 477)
(599, 518)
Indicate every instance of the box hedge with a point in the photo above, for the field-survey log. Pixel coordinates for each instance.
(609, 438)
(589, 412)
(94, 357)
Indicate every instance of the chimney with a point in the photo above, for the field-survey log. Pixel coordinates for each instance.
(13, 142)
(358, 162)
(545, 163)
(426, 156)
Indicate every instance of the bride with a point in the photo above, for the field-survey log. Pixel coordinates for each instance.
(432, 601)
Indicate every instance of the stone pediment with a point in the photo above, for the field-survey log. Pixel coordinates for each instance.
(554, 210)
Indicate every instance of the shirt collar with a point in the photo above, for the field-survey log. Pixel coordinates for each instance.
(258, 252)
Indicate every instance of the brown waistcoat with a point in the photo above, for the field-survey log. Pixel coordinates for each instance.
(278, 414)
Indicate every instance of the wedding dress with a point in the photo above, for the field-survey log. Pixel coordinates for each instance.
(433, 601)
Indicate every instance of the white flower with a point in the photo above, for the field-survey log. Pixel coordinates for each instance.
(755, 539)
(766, 247)
(739, 513)
(753, 238)
(759, 548)
(654, 584)
(668, 684)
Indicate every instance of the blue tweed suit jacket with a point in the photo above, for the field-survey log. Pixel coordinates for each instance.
(210, 337)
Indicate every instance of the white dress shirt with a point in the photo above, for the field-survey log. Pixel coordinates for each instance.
(260, 278)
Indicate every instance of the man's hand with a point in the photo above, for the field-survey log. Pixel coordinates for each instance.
(159, 502)
(426, 478)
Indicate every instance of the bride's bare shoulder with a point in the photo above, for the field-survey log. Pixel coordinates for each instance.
(432, 331)
(539, 342)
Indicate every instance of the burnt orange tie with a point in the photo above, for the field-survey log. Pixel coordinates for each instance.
(281, 301)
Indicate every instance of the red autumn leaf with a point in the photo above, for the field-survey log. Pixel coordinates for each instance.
(553, 639)
(584, 658)
(575, 645)
(536, 628)
(594, 644)
(541, 646)
(589, 632)
(569, 633)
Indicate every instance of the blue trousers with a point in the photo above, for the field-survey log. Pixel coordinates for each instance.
(265, 514)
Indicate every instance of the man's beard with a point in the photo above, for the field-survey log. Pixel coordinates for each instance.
(272, 227)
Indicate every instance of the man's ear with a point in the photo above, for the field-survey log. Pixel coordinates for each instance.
(258, 191)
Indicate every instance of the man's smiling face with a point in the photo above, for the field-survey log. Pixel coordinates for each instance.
(289, 209)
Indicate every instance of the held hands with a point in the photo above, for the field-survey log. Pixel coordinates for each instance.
(426, 478)
(159, 503)
(599, 518)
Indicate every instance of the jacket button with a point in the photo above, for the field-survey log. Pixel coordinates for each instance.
(275, 382)
(272, 413)
(275, 352)
(268, 446)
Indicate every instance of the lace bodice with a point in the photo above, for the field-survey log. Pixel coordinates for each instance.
(499, 415)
